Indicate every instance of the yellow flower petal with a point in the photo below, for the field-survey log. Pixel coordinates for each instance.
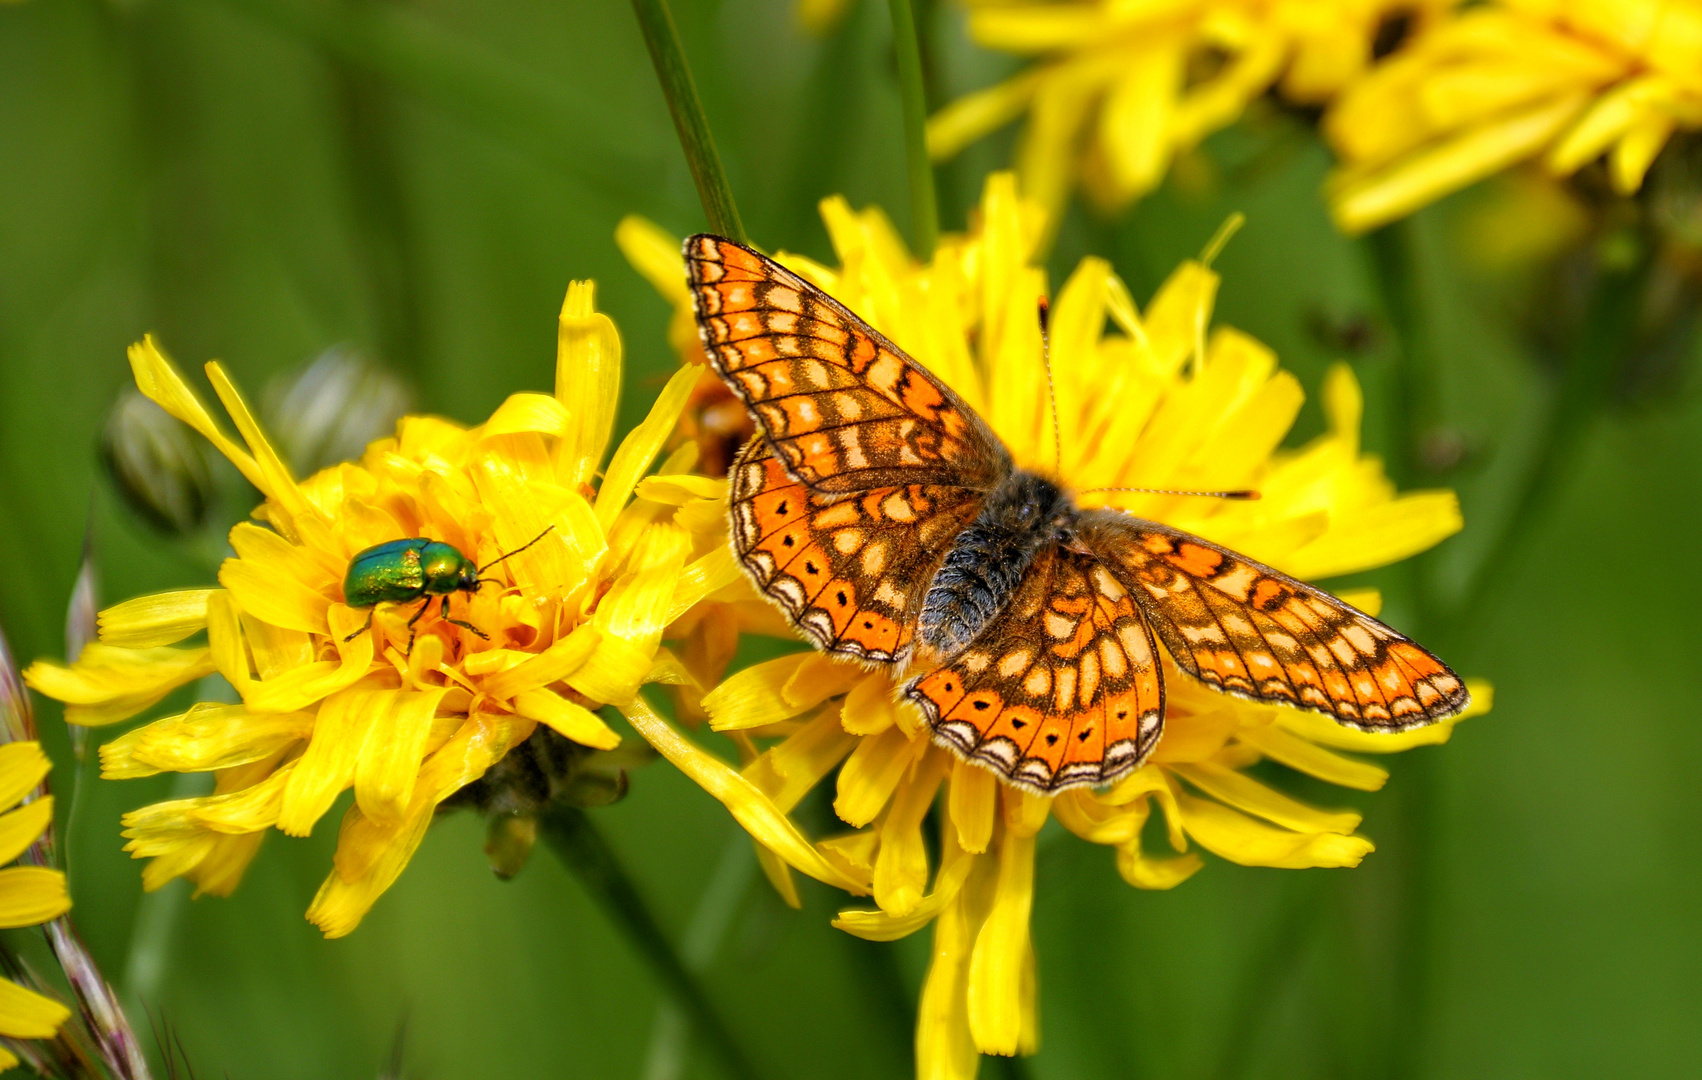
(568, 719)
(1362, 204)
(25, 1014)
(20, 828)
(342, 901)
(884, 925)
(872, 773)
(151, 621)
(753, 810)
(901, 865)
(1379, 535)
(974, 115)
(655, 253)
(109, 684)
(1235, 788)
(945, 1049)
(31, 895)
(327, 767)
(588, 381)
(541, 669)
(1241, 839)
(277, 483)
(159, 380)
(528, 413)
(1279, 744)
(389, 759)
(641, 445)
(997, 967)
(973, 800)
(758, 695)
(302, 686)
(23, 765)
(788, 770)
(1156, 874)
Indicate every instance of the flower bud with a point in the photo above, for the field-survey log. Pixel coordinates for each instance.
(159, 466)
(545, 770)
(328, 411)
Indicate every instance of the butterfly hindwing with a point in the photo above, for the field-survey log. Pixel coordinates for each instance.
(1061, 688)
(1249, 630)
(849, 572)
(844, 408)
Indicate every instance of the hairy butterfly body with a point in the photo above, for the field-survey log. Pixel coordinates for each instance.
(888, 521)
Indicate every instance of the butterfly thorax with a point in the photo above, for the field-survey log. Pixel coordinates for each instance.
(1020, 516)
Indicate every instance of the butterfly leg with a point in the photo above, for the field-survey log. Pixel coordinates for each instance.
(463, 625)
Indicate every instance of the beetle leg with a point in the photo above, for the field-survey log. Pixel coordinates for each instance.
(463, 625)
(365, 627)
(415, 619)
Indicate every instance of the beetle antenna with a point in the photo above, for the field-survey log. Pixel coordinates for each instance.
(1051, 390)
(1241, 495)
(517, 550)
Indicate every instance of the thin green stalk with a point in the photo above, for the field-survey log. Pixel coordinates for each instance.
(912, 94)
(663, 41)
(585, 851)
(1411, 404)
(1585, 380)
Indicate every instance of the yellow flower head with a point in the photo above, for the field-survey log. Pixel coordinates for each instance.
(1158, 401)
(1119, 89)
(29, 895)
(570, 623)
(1565, 81)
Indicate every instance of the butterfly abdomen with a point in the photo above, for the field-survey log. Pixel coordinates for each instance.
(988, 559)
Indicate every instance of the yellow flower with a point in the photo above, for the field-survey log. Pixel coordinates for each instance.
(1121, 88)
(572, 622)
(1565, 81)
(29, 895)
(1158, 401)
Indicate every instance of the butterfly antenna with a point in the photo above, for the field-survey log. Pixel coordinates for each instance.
(517, 550)
(1239, 495)
(1051, 389)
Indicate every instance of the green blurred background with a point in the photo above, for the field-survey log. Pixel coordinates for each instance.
(259, 180)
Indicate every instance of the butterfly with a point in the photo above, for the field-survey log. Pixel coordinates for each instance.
(890, 524)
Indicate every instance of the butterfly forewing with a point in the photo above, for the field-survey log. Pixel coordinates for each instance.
(850, 572)
(1061, 689)
(844, 408)
(1253, 631)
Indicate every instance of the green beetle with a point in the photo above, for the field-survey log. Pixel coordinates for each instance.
(402, 571)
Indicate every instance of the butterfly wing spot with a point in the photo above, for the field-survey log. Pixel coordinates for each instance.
(1015, 662)
(1038, 682)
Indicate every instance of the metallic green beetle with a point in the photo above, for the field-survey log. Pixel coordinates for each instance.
(402, 571)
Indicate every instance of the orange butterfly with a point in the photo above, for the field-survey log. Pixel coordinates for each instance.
(888, 521)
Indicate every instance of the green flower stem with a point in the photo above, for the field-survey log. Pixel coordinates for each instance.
(1411, 403)
(924, 207)
(1585, 381)
(663, 41)
(585, 851)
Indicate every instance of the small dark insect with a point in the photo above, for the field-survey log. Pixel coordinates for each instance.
(402, 571)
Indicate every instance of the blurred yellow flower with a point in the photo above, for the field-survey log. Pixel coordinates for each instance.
(1119, 89)
(575, 621)
(1159, 401)
(29, 895)
(1565, 81)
